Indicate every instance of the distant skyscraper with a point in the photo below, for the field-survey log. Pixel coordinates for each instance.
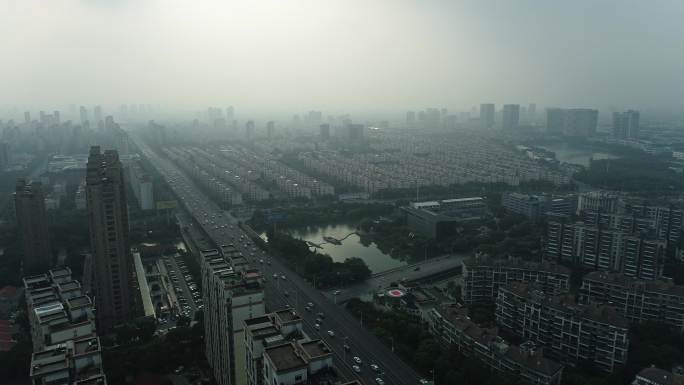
(43, 117)
(249, 130)
(4, 155)
(56, 117)
(270, 129)
(230, 114)
(571, 122)
(410, 118)
(325, 131)
(511, 116)
(84, 115)
(532, 113)
(487, 112)
(626, 124)
(110, 247)
(97, 114)
(27, 117)
(29, 202)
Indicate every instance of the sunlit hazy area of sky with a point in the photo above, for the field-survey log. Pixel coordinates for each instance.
(351, 54)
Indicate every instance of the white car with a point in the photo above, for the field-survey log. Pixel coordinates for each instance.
(357, 360)
(331, 333)
(317, 327)
(356, 368)
(379, 381)
(375, 368)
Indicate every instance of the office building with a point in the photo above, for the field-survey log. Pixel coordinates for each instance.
(483, 276)
(29, 202)
(487, 113)
(626, 125)
(436, 219)
(232, 293)
(452, 327)
(531, 206)
(66, 348)
(570, 333)
(510, 118)
(571, 122)
(637, 300)
(112, 261)
(27, 117)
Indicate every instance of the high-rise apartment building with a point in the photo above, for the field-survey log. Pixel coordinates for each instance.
(110, 246)
(571, 122)
(487, 113)
(511, 116)
(27, 117)
(569, 332)
(97, 114)
(482, 277)
(626, 124)
(636, 299)
(29, 201)
(325, 131)
(232, 293)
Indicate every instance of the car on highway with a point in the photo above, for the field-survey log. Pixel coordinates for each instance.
(331, 333)
(283, 277)
(375, 367)
(320, 315)
(337, 292)
(310, 304)
(317, 326)
(319, 321)
(357, 360)
(275, 275)
(356, 368)
(380, 381)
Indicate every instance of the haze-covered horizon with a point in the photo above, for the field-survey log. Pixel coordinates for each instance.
(343, 55)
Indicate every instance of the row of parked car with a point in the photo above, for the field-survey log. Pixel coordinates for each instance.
(185, 300)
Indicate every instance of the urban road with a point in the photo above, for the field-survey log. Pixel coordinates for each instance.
(291, 290)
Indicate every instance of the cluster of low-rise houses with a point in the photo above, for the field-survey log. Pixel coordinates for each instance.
(238, 170)
(408, 161)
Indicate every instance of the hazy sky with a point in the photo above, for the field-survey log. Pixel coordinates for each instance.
(376, 54)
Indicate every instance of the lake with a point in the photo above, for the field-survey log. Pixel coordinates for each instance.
(376, 260)
(574, 155)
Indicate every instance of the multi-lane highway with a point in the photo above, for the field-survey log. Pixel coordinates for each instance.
(338, 328)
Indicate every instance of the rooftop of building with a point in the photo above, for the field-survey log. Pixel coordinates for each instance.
(484, 261)
(566, 302)
(533, 359)
(285, 358)
(287, 315)
(660, 376)
(316, 348)
(658, 286)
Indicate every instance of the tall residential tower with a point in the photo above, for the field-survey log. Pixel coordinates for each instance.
(29, 202)
(110, 246)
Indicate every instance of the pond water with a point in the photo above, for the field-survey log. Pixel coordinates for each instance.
(574, 155)
(351, 246)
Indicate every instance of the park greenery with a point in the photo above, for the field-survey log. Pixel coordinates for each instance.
(646, 174)
(316, 267)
